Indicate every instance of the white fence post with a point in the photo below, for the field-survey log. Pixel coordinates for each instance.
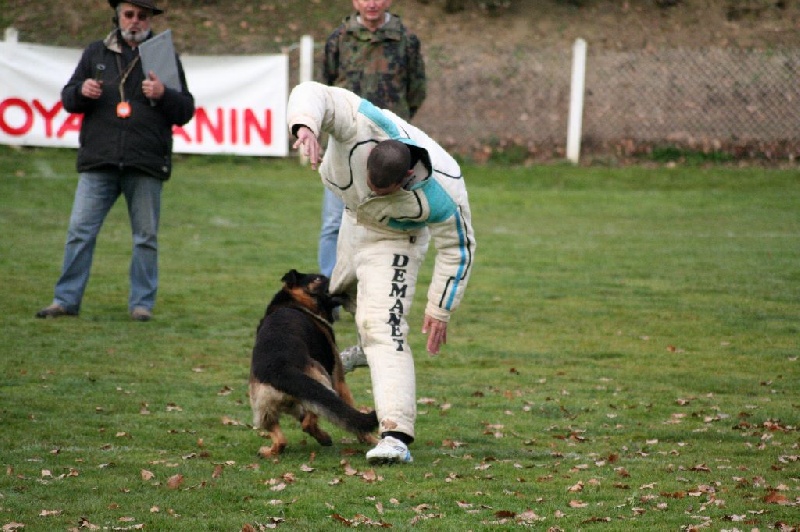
(306, 58)
(12, 35)
(306, 71)
(576, 101)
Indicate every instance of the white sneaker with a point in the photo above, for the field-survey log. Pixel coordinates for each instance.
(352, 358)
(389, 450)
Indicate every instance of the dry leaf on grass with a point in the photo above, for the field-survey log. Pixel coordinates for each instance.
(175, 481)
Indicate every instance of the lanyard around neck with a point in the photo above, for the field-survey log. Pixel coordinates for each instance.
(125, 75)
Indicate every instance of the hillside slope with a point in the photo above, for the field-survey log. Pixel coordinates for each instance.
(243, 26)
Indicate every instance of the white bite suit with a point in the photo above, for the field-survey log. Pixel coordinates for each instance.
(383, 239)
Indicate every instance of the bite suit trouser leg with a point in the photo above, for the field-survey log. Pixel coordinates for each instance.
(378, 269)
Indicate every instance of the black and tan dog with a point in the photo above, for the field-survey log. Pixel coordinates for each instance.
(296, 368)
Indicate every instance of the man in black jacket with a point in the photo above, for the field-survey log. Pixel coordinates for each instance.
(125, 149)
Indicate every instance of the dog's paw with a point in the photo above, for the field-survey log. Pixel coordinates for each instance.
(271, 451)
(324, 439)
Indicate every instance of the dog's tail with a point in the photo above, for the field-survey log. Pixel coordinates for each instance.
(323, 401)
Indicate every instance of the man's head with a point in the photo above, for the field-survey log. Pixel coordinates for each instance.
(388, 165)
(134, 18)
(372, 12)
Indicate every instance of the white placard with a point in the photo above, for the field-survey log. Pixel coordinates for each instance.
(240, 101)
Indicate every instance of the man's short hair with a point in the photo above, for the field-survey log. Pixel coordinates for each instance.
(388, 163)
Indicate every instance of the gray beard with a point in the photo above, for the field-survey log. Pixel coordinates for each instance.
(137, 37)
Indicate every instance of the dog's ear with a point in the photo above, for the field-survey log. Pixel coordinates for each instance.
(290, 278)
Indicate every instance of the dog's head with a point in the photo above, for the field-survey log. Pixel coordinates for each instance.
(311, 291)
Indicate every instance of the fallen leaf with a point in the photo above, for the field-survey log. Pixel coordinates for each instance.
(370, 476)
(597, 520)
(230, 421)
(84, 523)
(576, 487)
(773, 497)
(175, 481)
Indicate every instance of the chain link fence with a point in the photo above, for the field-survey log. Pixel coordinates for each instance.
(744, 103)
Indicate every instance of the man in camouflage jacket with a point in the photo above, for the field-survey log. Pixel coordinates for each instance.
(380, 60)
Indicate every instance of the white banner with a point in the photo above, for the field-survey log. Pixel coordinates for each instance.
(240, 101)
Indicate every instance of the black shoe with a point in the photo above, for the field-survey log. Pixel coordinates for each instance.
(54, 311)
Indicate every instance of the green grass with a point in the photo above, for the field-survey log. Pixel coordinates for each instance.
(630, 334)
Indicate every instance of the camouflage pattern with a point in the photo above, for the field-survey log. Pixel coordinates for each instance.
(385, 67)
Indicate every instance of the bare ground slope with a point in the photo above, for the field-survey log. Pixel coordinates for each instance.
(242, 26)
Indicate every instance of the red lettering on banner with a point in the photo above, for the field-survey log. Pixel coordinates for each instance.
(71, 125)
(31, 112)
(26, 109)
(48, 116)
(250, 122)
(232, 126)
(217, 128)
(202, 122)
(178, 131)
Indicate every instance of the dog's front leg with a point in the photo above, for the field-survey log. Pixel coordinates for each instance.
(278, 442)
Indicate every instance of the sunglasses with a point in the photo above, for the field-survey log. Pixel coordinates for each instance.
(141, 15)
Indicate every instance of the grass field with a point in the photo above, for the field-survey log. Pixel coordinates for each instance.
(626, 358)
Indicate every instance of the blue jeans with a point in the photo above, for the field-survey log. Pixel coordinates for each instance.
(332, 209)
(96, 194)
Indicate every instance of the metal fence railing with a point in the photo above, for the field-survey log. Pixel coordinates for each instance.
(706, 98)
(743, 102)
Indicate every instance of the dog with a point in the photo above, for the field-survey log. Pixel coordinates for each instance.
(296, 368)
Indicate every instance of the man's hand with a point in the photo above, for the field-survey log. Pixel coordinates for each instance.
(91, 88)
(437, 333)
(152, 87)
(309, 144)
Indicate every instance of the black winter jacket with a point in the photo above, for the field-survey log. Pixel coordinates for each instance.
(143, 141)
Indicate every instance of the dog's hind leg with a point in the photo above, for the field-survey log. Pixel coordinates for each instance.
(310, 424)
(267, 403)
